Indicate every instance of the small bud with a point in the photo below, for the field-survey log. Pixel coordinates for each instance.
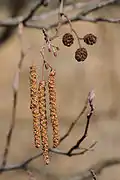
(20, 29)
(55, 54)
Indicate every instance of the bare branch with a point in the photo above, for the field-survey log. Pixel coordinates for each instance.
(33, 10)
(15, 98)
(97, 169)
(90, 7)
(22, 19)
(93, 174)
(30, 174)
(95, 6)
(74, 122)
(95, 20)
(69, 153)
(90, 101)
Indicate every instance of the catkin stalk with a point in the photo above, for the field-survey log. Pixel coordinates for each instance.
(34, 106)
(43, 121)
(53, 108)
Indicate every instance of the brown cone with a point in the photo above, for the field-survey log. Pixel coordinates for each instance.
(90, 39)
(67, 39)
(81, 54)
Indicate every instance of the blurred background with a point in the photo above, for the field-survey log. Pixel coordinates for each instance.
(74, 80)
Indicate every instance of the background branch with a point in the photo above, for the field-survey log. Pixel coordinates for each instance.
(15, 86)
(85, 10)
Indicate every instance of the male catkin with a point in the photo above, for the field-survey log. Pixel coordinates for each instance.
(34, 106)
(53, 108)
(43, 120)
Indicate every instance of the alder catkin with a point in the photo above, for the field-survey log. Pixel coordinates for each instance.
(34, 106)
(43, 121)
(53, 108)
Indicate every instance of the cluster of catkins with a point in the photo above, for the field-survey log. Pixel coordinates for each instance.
(39, 112)
(81, 53)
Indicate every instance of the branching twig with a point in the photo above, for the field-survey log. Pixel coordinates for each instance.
(93, 174)
(15, 97)
(22, 19)
(98, 168)
(95, 6)
(90, 99)
(74, 122)
(90, 7)
(69, 153)
(30, 174)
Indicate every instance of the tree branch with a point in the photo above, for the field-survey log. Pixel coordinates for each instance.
(15, 99)
(96, 168)
(74, 122)
(95, 6)
(90, 7)
(56, 151)
(90, 102)
(22, 19)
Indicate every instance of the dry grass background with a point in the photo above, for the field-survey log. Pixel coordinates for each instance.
(74, 80)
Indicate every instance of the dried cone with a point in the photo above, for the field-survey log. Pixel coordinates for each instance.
(81, 54)
(68, 39)
(43, 121)
(53, 108)
(34, 105)
(90, 39)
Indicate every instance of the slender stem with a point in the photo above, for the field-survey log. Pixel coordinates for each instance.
(73, 30)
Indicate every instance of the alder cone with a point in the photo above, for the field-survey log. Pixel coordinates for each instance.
(90, 39)
(68, 39)
(81, 54)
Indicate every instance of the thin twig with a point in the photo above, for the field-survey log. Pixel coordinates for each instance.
(15, 99)
(95, 6)
(9, 136)
(74, 122)
(22, 19)
(90, 101)
(90, 7)
(30, 174)
(93, 174)
(33, 10)
(98, 168)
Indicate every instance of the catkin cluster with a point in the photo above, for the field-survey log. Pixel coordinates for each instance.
(39, 111)
(43, 120)
(53, 108)
(34, 106)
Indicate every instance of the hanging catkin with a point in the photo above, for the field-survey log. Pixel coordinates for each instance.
(43, 120)
(34, 106)
(53, 108)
